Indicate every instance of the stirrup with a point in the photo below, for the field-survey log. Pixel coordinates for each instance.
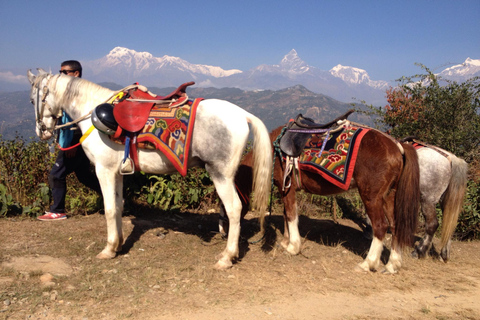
(127, 167)
(287, 180)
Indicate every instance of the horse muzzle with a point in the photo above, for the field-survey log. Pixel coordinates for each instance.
(43, 133)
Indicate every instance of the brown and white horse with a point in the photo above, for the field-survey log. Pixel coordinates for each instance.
(388, 184)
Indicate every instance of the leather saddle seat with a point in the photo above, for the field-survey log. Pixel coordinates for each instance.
(298, 132)
(132, 112)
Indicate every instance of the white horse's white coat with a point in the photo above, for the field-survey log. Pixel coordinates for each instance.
(219, 137)
(443, 179)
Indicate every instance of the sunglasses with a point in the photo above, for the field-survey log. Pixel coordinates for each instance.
(67, 71)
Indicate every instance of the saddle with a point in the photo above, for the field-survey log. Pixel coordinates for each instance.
(131, 112)
(418, 143)
(298, 132)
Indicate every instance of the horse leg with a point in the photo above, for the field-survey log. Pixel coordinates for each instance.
(112, 191)
(445, 252)
(431, 225)
(291, 236)
(372, 261)
(378, 208)
(394, 263)
(221, 221)
(233, 206)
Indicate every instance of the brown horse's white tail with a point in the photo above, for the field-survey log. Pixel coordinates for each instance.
(452, 202)
(262, 167)
(407, 198)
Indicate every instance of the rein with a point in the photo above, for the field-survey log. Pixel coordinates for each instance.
(43, 105)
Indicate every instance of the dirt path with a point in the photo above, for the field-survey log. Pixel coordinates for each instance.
(49, 271)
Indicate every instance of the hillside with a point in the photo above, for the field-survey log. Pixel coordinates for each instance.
(17, 116)
(275, 108)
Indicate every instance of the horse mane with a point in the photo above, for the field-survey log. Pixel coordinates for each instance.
(79, 90)
(38, 80)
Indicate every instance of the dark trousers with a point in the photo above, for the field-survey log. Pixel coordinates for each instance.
(63, 166)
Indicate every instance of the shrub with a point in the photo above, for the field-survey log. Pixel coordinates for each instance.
(443, 113)
(177, 192)
(24, 169)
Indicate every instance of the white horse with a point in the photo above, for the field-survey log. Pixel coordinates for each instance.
(443, 179)
(219, 137)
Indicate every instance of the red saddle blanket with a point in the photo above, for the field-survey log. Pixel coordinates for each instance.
(169, 129)
(419, 144)
(336, 161)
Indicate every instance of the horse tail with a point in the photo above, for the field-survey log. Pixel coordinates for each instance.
(407, 198)
(452, 202)
(262, 167)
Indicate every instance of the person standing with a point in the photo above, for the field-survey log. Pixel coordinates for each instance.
(70, 158)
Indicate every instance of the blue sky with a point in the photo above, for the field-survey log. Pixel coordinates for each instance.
(386, 38)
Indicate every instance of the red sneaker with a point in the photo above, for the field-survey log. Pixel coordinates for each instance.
(51, 216)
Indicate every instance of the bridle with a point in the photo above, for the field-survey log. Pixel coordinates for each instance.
(41, 105)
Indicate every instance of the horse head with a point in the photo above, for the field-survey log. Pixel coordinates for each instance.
(46, 111)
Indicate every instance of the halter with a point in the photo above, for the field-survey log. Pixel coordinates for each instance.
(41, 108)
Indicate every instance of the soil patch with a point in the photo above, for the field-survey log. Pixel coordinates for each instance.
(165, 271)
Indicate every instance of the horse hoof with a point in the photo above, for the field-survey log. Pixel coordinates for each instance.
(444, 256)
(222, 265)
(106, 255)
(292, 250)
(386, 272)
(358, 268)
(389, 269)
(415, 254)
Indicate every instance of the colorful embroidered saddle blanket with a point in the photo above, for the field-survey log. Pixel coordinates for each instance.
(169, 129)
(333, 156)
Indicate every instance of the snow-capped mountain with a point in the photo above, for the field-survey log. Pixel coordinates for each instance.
(292, 63)
(292, 70)
(124, 66)
(132, 66)
(355, 76)
(460, 72)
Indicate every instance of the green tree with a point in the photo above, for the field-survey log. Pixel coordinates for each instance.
(441, 112)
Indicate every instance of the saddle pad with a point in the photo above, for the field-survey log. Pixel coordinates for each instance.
(170, 131)
(337, 161)
(419, 144)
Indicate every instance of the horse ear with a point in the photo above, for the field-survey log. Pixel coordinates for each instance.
(31, 76)
(41, 71)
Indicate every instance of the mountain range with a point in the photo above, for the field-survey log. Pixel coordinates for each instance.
(273, 107)
(343, 83)
(275, 93)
